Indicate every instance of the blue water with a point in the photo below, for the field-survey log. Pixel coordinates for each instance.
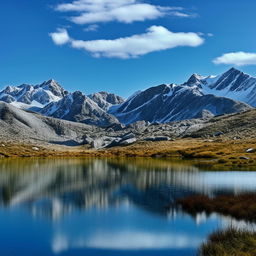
(108, 208)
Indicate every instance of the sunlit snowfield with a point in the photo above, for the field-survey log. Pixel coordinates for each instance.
(108, 207)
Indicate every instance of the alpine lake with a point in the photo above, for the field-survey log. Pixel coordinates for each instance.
(110, 207)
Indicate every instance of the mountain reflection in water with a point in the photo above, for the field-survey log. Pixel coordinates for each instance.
(115, 206)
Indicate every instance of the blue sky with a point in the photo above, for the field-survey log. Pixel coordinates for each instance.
(41, 39)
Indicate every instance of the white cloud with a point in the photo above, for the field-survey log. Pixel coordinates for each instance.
(237, 58)
(125, 14)
(60, 37)
(156, 38)
(92, 27)
(125, 11)
(92, 5)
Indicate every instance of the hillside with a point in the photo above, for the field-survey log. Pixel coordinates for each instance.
(24, 133)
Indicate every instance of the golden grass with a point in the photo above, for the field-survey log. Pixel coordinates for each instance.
(216, 154)
(230, 242)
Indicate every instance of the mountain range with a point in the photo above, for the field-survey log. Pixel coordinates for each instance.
(199, 97)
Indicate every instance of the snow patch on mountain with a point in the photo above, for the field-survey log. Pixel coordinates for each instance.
(27, 96)
(233, 84)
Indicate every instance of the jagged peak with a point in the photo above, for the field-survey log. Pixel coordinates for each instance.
(195, 79)
(236, 72)
(50, 82)
(76, 94)
(197, 76)
(233, 70)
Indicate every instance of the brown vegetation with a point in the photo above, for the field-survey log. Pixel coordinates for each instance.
(239, 206)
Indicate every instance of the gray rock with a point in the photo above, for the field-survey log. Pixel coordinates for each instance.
(250, 150)
(217, 134)
(139, 126)
(87, 140)
(116, 127)
(105, 100)
(127, 142)
(127, 136)
(205, 114)
(98, 143)
(244, 158)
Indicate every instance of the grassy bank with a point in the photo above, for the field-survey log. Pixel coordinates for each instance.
(230, 242)
(218, 153)
(238, 206)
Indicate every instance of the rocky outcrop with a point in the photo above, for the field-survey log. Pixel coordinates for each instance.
(118, 140)
(105, 100)
(79, 108)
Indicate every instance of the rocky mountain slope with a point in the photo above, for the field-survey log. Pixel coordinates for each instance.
(166, 103)
(106, 100)
(79, 108)
(50, 99)
(21, 126)
(25, 127)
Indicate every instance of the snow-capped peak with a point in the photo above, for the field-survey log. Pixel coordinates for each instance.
(233, 84)
(29, 96)
(195, 79)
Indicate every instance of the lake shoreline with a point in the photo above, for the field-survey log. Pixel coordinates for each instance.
(213, 154)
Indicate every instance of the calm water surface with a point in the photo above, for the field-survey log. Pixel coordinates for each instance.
(108, 207)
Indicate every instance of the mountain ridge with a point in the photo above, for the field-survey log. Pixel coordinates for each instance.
(201, 96)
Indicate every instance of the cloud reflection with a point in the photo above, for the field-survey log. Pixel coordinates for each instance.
(127, 240)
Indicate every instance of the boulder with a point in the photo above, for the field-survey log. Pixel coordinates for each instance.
(244, 158)
(101, 142)
(116, 127)
(87, 139)
(139, 126)
(217, 134)
(127, 142)
(127, 136)
(250, 150)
